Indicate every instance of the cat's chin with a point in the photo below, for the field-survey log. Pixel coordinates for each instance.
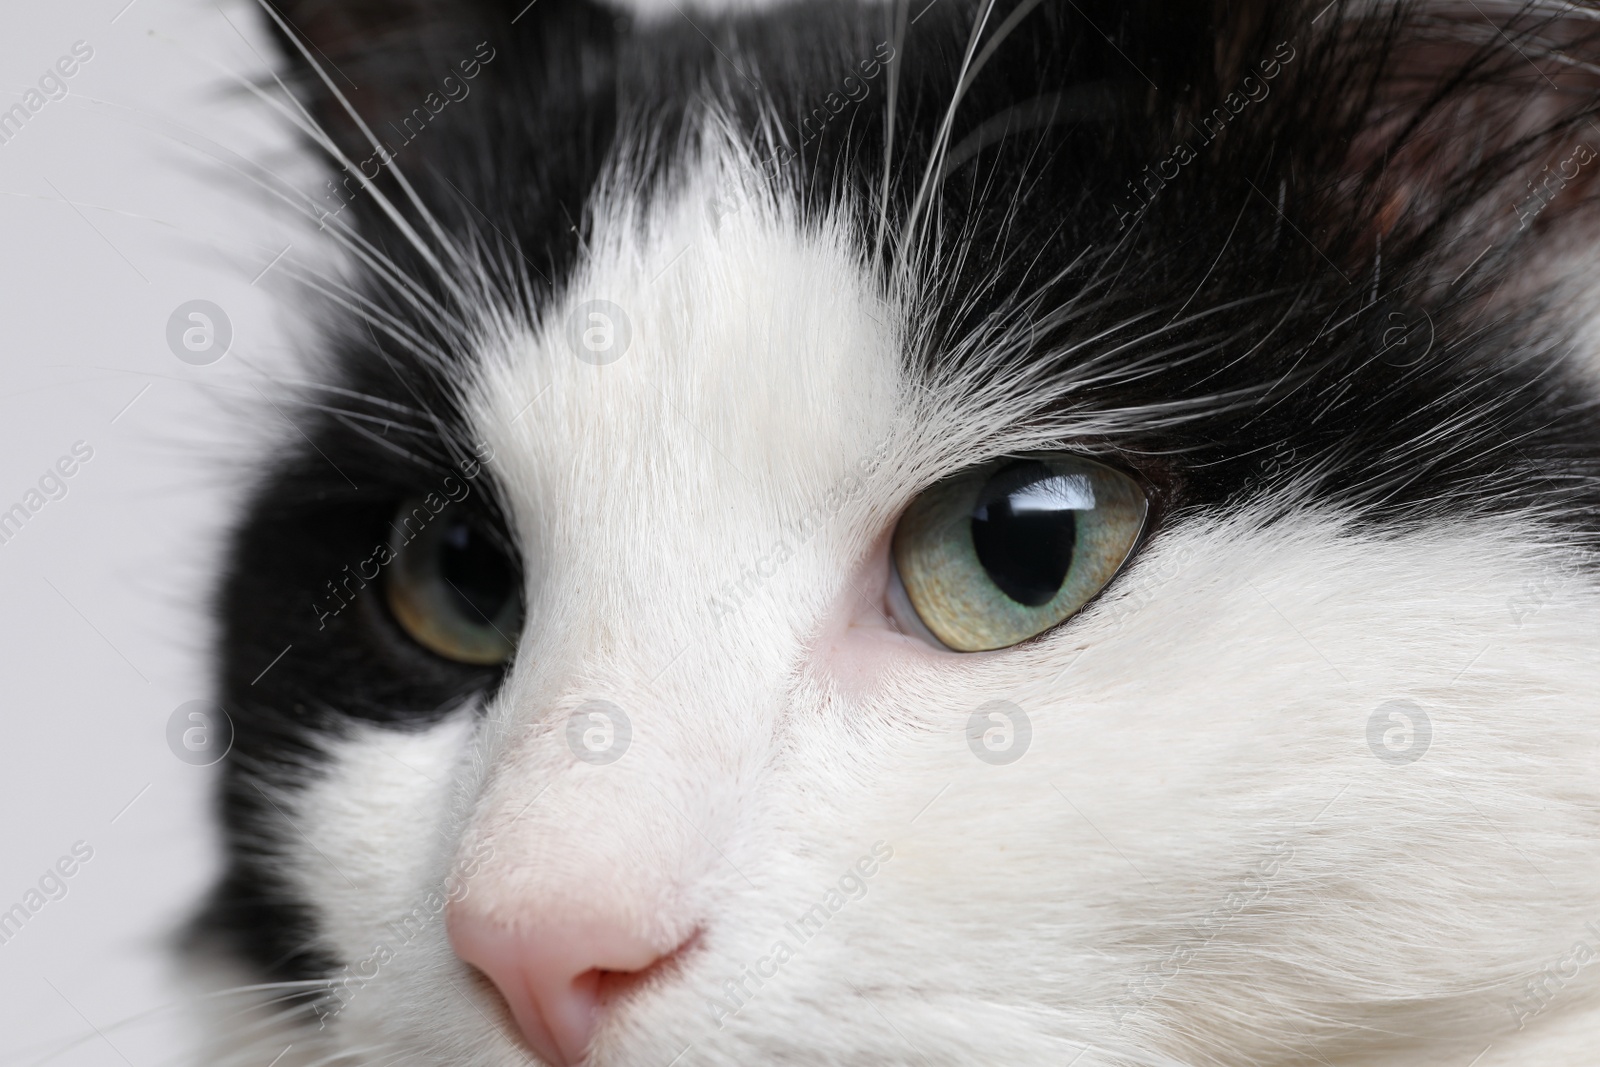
(1556, 1038)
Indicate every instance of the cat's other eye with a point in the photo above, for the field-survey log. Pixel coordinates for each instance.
(452, 587)
(1003, 552)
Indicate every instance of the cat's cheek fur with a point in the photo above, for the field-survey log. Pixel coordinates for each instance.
(379, 857)
(1230, 767)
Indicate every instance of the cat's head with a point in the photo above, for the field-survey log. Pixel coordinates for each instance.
(960, 532)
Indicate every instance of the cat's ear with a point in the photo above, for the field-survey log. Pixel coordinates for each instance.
(390, 59)
(1480, 115)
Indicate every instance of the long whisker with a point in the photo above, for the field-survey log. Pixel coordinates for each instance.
(891, 98)
(348, 238)
(942, 140)
(297, 201)
(287, 989)
(368, 312)
(383, 202)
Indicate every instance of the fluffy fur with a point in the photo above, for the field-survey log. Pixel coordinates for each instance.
(1202, 858)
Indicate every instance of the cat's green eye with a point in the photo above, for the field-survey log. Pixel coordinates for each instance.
(451, 587)
(1005, 551)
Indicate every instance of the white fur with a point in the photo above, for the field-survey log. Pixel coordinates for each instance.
(1210, 712)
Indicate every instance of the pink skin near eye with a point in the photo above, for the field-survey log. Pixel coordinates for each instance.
(874, 628)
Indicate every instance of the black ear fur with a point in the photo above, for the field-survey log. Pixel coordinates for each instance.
(1398, 122)
(390, 59)
(1472, 117)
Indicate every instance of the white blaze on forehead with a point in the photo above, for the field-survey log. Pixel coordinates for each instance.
(712, 366)
(698, 408)
(702, 398)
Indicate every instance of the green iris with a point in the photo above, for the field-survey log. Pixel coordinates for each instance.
(1000, 553)
(451, 587)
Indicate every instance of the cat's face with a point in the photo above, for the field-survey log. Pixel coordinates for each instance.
(734, 605)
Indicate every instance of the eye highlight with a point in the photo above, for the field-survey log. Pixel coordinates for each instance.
(453, 589)
(1000, 553)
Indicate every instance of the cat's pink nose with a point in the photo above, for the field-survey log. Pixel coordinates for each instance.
(551, 971)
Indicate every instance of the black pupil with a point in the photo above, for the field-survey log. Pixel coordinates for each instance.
(479, 575)
(1024, 527)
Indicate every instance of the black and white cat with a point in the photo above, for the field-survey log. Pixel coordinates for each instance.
(961, 532)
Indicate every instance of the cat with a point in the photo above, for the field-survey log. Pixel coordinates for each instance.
(950, 532)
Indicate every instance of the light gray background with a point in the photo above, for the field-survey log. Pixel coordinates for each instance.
(117, 204)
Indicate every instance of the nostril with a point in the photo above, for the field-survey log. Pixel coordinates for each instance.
(556, 978)
(612, 986)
